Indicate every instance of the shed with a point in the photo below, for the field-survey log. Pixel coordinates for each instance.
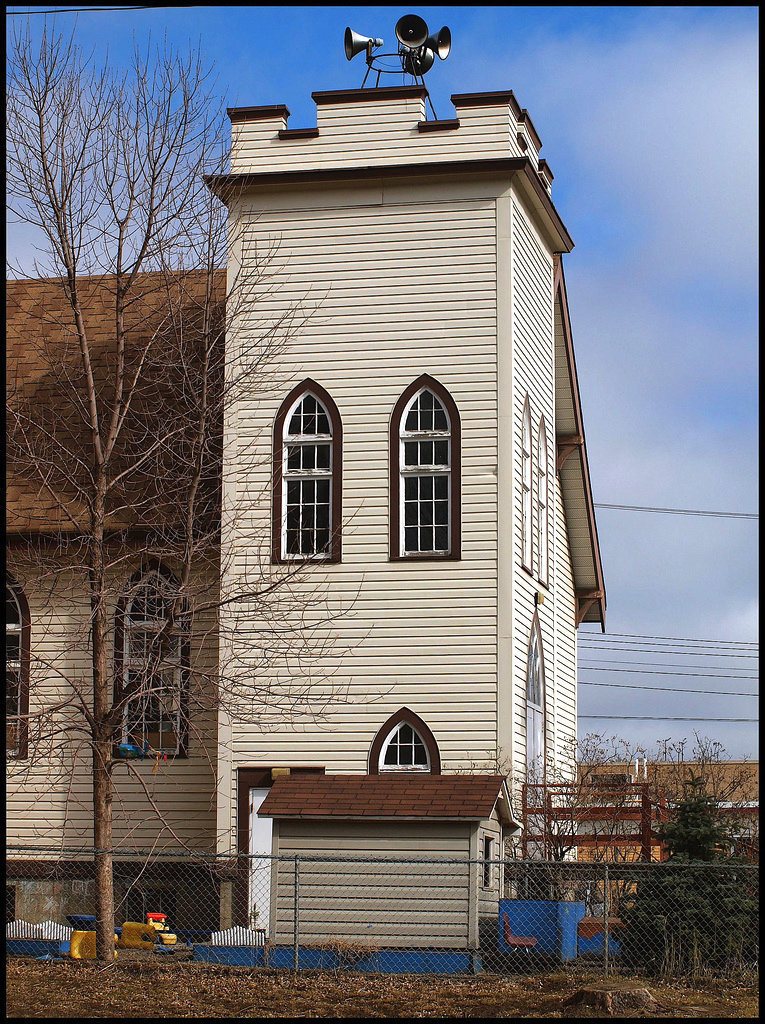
(396, 860)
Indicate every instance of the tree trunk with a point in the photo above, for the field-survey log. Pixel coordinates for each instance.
(102, 832)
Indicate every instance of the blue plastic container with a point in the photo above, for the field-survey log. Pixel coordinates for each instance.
(552, 923)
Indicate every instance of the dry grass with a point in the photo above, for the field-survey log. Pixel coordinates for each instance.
(147, 990)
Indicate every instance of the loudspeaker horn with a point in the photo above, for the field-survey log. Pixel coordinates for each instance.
(440, 42)
(354, 43)
(411, 31)
(417, 62)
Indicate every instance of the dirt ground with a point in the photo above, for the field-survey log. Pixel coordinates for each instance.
(134, 990)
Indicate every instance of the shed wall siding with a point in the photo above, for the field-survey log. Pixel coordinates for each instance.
(395, 904)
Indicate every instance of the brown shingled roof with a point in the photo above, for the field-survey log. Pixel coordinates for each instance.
(43, 371)
(389, 795)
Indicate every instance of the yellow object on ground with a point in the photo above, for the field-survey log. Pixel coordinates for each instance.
(137, 935)
(167, 938)
(82, 946)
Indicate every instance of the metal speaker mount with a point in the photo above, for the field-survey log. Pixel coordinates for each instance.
(417, 50)
(411, 31)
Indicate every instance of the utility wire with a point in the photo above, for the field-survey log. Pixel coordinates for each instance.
(650, 672)
(663, 664)
(688, 639)
(664, 718)
(680, 511)
(669, 689)
(693, 652)
(96, 10)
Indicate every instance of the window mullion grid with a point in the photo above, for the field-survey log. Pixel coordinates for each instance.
(301, 476)
(420, 472)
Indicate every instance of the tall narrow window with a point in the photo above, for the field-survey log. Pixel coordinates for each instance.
(307, 476)
(543, 557)
(153, 665)
(16, 671)
(425, 473)
(535, 714)
(526, 493)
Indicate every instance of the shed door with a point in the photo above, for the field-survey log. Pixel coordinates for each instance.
(259, 893)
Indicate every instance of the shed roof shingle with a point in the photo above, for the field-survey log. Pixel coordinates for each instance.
(404, 794)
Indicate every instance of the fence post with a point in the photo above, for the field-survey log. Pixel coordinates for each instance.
(605, 914)
(296, 916)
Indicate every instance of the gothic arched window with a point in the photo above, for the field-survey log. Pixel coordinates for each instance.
(526, 492)
(425, 484)
(404, 743)
(17, 630)
(307, 476)
(152, 654)
(543, 513)
(535, 707)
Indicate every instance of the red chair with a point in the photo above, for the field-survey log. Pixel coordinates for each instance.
(527, 942)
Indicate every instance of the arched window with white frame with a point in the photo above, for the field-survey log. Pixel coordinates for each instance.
(152, 661)
(425, 480)
(17, 635)
(526, 489)
(543, 515)
(535, 707)
(404, 743)
(307, 476)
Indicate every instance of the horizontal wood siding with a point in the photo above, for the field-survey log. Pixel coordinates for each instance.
(392, 904)
(350, 135)
(533, 362)
(49, 795)
(389, 291)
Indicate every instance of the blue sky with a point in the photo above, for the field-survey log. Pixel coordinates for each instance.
(648, 117)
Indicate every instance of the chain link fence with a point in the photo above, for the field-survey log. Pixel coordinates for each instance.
(394, 914)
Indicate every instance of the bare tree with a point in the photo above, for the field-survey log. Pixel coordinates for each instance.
(118, 434)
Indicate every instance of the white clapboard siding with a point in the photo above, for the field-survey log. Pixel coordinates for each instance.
(49, 795)
(350, 134)
(533, 363)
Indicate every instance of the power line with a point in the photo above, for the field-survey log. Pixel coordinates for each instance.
(680, 511)
(97, 10)
(664, 718)
(668, 689)
(664, 664)
(685, 639)
(651, 672)
(693, 652)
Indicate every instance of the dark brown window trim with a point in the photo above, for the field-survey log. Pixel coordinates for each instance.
(264, 113)
(149, 565)
(298, 133)
(455, 516)
(370, 95)
(437, 126)
(522, 142)
(336, 544)
(421, 727)
(24, 658)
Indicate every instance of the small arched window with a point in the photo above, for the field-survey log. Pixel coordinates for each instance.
(307, 476)
(17, 630)
(543, 515)
(535, 710)
(152, 664)
(526, 492)
(404, 743)
(425, 473)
